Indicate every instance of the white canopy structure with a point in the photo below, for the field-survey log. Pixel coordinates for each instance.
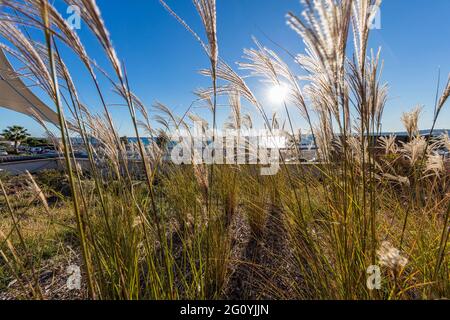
(15, 95)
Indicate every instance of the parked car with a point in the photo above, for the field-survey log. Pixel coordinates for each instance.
(49, 152)
(3, 153)
(36, 150)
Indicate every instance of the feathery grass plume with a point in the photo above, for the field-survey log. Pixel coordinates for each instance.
(165, 111)
(444, 97)
(414, 150)
(275, 124)
(205, 95)
(435, 165)
(91, 15)
(389, 144)
(105, 139)
(359, 148)
(324, 138)
(391, 257)
(263, 62)
(364, 11)
(197, 119)
(410, 121)
(28, 54)
(235, 119)
(324, 29)
(235, 82)
(355, 190)
(27, 14)
(207, 11)
(369, 93)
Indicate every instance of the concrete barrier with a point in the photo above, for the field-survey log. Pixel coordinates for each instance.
(19, 167)
(134, 166)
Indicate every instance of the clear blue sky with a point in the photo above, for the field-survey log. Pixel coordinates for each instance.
(162, 59)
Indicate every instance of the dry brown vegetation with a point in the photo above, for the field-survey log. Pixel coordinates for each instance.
(225, 231)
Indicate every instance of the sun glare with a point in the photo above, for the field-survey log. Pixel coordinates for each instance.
(278, 94)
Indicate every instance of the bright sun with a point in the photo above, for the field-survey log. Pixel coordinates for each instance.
(278, 93)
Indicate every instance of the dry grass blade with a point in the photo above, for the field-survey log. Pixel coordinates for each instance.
(148, 228)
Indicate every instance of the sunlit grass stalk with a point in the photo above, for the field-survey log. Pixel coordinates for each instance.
(62, 124)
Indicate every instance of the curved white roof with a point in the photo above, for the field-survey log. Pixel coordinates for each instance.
(15, 95)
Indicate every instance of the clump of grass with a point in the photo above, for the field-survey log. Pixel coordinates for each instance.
(148, 229)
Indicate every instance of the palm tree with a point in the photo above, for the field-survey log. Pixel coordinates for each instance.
(17, 134)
